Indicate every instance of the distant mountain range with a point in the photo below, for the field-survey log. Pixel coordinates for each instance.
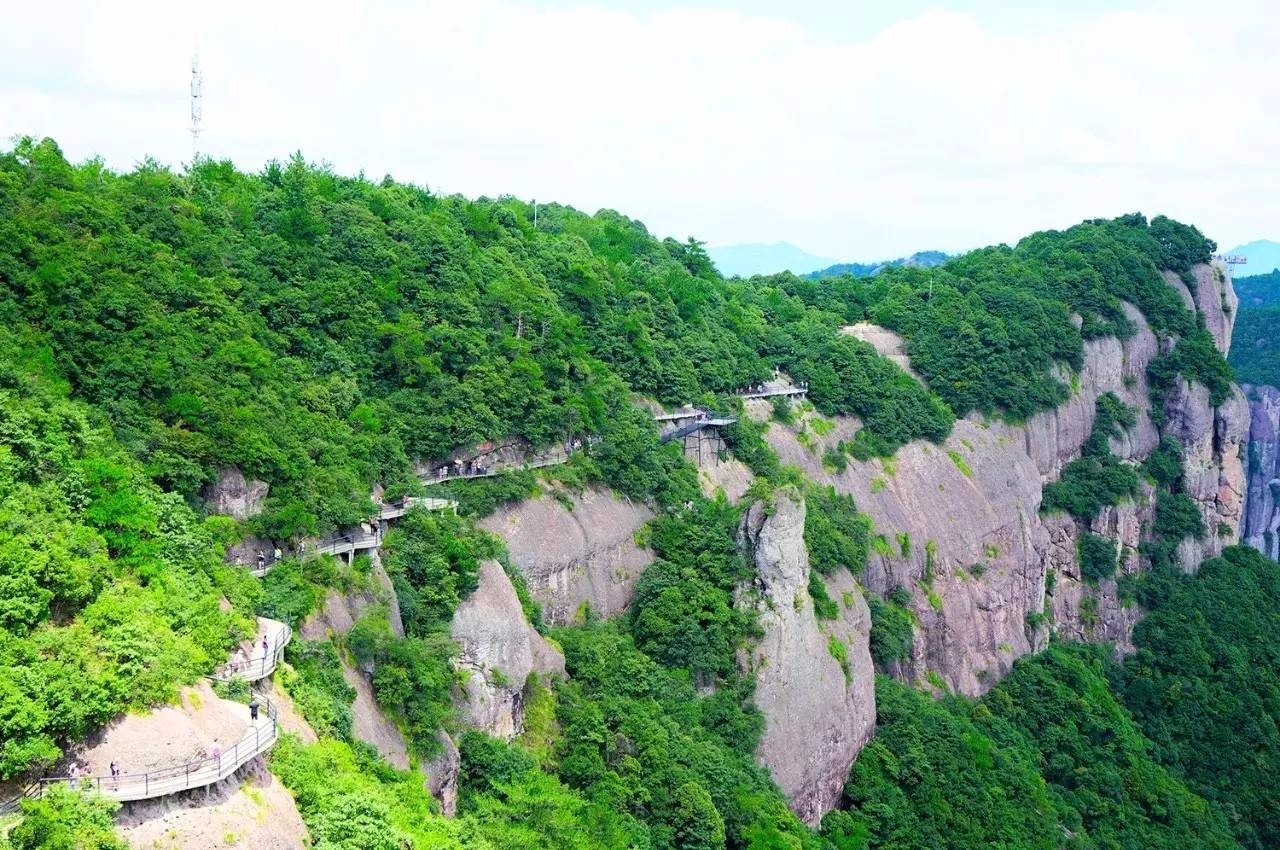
(923, 259)
(748, 260)
(756, 258)
(1263, 256)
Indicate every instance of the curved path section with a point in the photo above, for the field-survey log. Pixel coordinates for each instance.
(260, 662)
(260, 737)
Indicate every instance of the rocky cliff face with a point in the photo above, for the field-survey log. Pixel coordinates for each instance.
(571, 557)
(231, 495)
(1213, 443)
(814, 679)
(960, 526)
(499, 650)
(1262, 504)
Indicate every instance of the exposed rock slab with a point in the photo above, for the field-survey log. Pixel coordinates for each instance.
(818, 713)
(232, 495)
(587, 555)
(884, 341)
(167, 736)
(1262, 504)
(257, 812)
(499, 650)
(340, 611)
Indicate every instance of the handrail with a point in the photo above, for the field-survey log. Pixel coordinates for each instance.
(170, 780)
(29, 793)
(767, 393)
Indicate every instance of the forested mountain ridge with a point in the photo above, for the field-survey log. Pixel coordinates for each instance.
(922, 259)
(326, 334)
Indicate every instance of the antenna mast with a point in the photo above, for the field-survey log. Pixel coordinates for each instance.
(197, 104)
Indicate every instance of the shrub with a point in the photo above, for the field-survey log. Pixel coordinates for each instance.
(1097, 556)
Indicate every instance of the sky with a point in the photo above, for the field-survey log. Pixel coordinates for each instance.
(855, 130)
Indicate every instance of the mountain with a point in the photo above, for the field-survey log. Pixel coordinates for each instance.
(757, 258)
(1263, 255)
(881, 616)
(920, 259)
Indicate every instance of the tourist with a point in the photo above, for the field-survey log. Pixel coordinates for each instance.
(262, 560)
(276, 555)
(115, 773)
(216, 755)
(253, 709)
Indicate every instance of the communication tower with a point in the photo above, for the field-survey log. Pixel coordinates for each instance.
(197, 104)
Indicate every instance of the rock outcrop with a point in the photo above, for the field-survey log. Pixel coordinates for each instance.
(814, 679)
(498, 651)
(232, 495)
(571, 557)
(1262, 504)
(1213, 446)
(340, 611)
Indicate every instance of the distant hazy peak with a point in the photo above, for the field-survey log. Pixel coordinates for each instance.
(758, 258)
(1263, 256)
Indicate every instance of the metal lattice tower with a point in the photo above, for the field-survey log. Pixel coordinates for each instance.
(197, 104)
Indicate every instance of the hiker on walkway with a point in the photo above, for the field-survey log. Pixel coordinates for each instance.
(262, 560)
(266, 649)
(277, 554)
(115, 773)
(253, 709)
(216, 755)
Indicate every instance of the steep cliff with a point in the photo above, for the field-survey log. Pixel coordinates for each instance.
(814, 679)
(960, 525)
(498, 651)
(1262, 504)
(571, 556)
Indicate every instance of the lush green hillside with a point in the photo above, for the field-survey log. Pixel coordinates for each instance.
(1259, 290)
(324, 333)
(1255, 346)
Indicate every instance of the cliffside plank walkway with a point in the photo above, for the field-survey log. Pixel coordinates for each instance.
(350, 543)
(260, 665)
(768, 391)
(701, 420)
(260, 737)
(441, 474)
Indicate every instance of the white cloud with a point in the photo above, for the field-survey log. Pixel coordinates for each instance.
(939, 131)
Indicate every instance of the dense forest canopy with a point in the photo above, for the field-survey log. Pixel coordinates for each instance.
(326, 333)
(1255, 344)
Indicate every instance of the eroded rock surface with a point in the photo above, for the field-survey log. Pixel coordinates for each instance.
(587, 555)
(252, 810)
(499, 650)
(233, 495)
(1262, 505)
(819, 712)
